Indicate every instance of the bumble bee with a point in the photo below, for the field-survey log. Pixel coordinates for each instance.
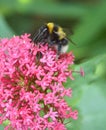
(53, 35)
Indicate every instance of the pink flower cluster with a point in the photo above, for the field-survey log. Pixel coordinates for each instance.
(31, 88)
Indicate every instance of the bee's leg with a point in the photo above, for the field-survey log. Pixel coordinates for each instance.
(59, 49)
(39, 55)
(50, 43)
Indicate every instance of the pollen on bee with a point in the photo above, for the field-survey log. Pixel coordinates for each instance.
(61, 33)
(50, 26)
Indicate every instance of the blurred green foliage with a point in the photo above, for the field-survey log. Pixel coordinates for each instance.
(87, 19)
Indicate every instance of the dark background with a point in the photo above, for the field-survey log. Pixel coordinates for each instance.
(87, 20)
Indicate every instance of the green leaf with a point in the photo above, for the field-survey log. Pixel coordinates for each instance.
(89, 95)
(87, 52)
(41, 7)
(93, 108)
(1, 127)
(91, 25)
(5, 30)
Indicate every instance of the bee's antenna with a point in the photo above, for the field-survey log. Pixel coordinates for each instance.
(72, 42)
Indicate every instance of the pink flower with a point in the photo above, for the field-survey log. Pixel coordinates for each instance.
(59, 126)
(51, 114)
(31, 89)
(82, 72)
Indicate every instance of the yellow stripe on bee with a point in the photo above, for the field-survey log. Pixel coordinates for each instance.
(61, 33)
(50, 27)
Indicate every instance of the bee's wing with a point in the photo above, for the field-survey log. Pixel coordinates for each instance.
(39, 35)
(35, 37)
(70, 32)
